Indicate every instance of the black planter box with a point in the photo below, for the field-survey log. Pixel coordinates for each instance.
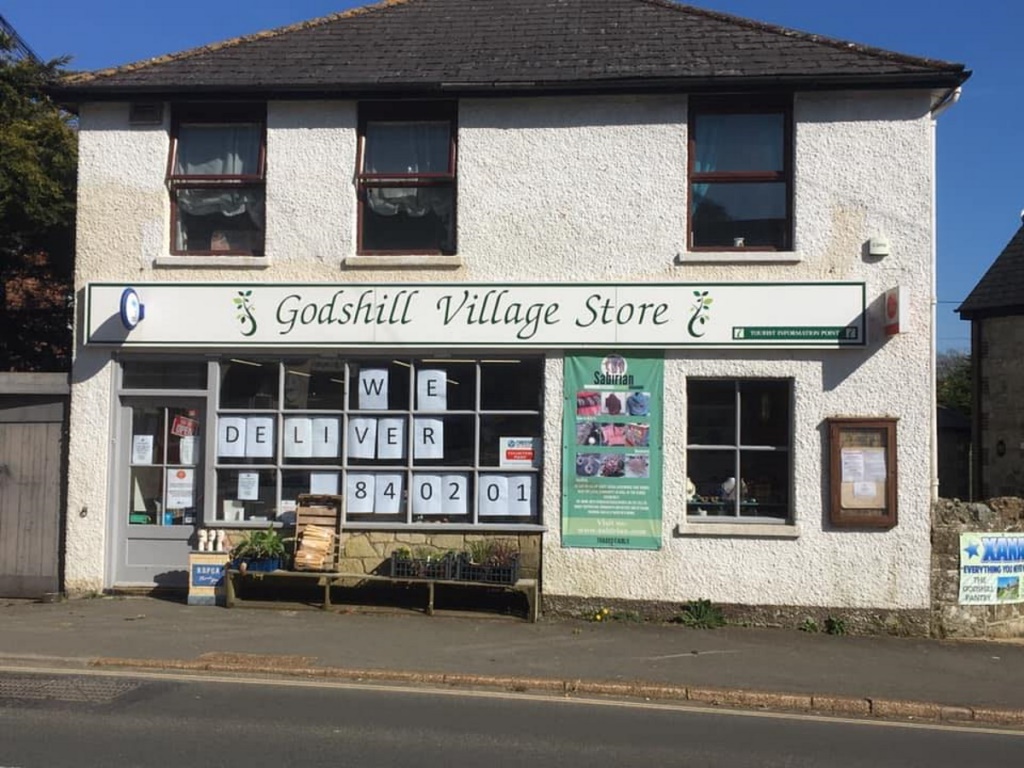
(489, 574)
(422, 568)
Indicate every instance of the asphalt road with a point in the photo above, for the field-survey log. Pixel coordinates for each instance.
(52, 720)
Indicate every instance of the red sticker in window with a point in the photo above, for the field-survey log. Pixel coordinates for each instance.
(182, 426)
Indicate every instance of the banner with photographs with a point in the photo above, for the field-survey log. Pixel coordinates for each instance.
(612, 464)
(991, 566)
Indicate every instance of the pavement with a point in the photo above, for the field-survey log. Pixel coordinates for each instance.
(978, 682)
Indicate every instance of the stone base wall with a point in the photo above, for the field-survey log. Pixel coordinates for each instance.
(854, 621)
(370, 551)
(950, 518)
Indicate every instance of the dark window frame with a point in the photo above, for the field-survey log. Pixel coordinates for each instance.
(193, 114)
(733, 511)
(740, 105)
(483, 462)
(406, 111)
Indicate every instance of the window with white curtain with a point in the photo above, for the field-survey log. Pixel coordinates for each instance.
(216, 180)
(406, 181)
(740, 174)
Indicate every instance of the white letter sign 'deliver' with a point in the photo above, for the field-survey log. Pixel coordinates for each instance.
(325, 438)
(391, 439)
(298, 438)
(259, 437)
(362, 438)
(231, 436)
(428, 439)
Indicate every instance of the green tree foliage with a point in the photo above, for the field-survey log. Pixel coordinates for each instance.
(953, 380)
(38, 162)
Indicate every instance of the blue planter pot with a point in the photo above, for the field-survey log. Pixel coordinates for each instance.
(264, 565)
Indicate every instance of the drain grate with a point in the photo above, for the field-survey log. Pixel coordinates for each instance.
(89, 690)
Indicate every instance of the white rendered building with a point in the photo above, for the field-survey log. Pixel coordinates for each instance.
(620, 278)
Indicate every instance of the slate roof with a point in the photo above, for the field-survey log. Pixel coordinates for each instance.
(1001, 289)
(505, 45)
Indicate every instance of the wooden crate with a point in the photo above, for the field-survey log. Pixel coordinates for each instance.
(317, 532)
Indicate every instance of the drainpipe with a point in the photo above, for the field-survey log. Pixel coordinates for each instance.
(948, 99)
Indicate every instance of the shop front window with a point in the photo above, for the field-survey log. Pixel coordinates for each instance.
(738, 463)
(405, 440)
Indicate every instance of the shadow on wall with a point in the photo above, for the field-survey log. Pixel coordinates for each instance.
(87, 366)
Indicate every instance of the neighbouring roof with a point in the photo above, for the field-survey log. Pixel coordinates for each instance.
(1001, 290)
(465, 46)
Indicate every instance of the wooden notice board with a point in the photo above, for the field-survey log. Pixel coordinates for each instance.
(862, 473)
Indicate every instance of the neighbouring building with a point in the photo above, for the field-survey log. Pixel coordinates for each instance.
(646, 286)
(995, 309)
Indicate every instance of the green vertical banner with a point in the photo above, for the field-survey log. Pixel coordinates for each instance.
(612, 451)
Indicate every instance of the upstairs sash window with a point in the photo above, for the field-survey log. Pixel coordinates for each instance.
(406, 180)
(740, 175)
(217, 182)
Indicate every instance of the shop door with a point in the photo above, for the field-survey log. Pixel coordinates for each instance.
(161, 490)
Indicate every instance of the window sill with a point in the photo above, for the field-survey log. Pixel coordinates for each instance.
(241, 262)
(738, 257)
(740, 530)
(414, 261)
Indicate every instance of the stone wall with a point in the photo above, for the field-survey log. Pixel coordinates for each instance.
(950, 518)
(369, 551)
(1001, 421)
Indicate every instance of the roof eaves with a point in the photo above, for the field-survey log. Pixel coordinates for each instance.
(983, 312)
(651, 84)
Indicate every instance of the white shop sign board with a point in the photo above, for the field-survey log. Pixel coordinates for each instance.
(466, 315)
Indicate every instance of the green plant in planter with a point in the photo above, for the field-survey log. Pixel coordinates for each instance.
(259, 545)
(492, 552)
(491, 560)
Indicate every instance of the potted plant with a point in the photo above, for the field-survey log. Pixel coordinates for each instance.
(259, 550)
(495, 561)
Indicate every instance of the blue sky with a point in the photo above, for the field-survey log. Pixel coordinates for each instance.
(980, 162)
